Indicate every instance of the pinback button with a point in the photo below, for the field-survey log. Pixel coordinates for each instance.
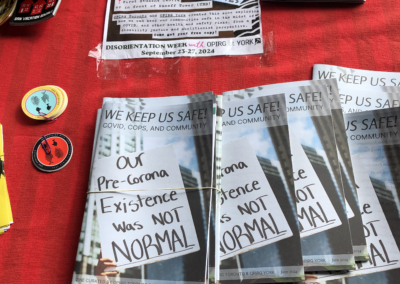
(44, 103)
(41, 103)
(52, 152)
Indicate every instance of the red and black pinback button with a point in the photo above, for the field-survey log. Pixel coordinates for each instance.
(52, 152)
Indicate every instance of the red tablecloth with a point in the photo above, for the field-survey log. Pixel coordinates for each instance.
(48, 208)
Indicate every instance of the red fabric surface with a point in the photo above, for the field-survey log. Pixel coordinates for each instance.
(48, 208)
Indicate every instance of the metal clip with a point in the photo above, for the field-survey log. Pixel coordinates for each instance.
(46, 146)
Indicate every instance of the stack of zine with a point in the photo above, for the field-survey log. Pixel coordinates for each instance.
(343, 146)
(285, 183)
(151, 213)
(370, 102)
(309, 221)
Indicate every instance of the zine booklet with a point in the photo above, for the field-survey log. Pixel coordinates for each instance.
(326, 239)
(259, 234)
(374, 145)
(346, 179)
(144, 103)
(150, 213)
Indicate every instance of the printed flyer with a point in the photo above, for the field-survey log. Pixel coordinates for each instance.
(260, 239)
(175, 28)
(374, 145)
(346, 179)
(167, 244)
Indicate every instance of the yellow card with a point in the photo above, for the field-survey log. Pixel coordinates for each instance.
(5, 206)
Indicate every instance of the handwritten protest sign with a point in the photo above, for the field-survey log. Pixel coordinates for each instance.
(250, 214)
(142, 227)
(314, 208)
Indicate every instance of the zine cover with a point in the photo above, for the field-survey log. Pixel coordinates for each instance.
(259, 238)
(29, 12)
(161, 148)
(346, 179)
(175, 28)
(374, 145)
(309, 108)
(144, 103)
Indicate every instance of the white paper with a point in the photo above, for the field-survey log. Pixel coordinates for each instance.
(142, 227)
(250, 214)
(138, 29)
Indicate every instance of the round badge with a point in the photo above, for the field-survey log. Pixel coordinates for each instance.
(53, 153)
(42, 102)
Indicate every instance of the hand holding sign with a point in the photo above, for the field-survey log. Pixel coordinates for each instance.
(102, 265)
